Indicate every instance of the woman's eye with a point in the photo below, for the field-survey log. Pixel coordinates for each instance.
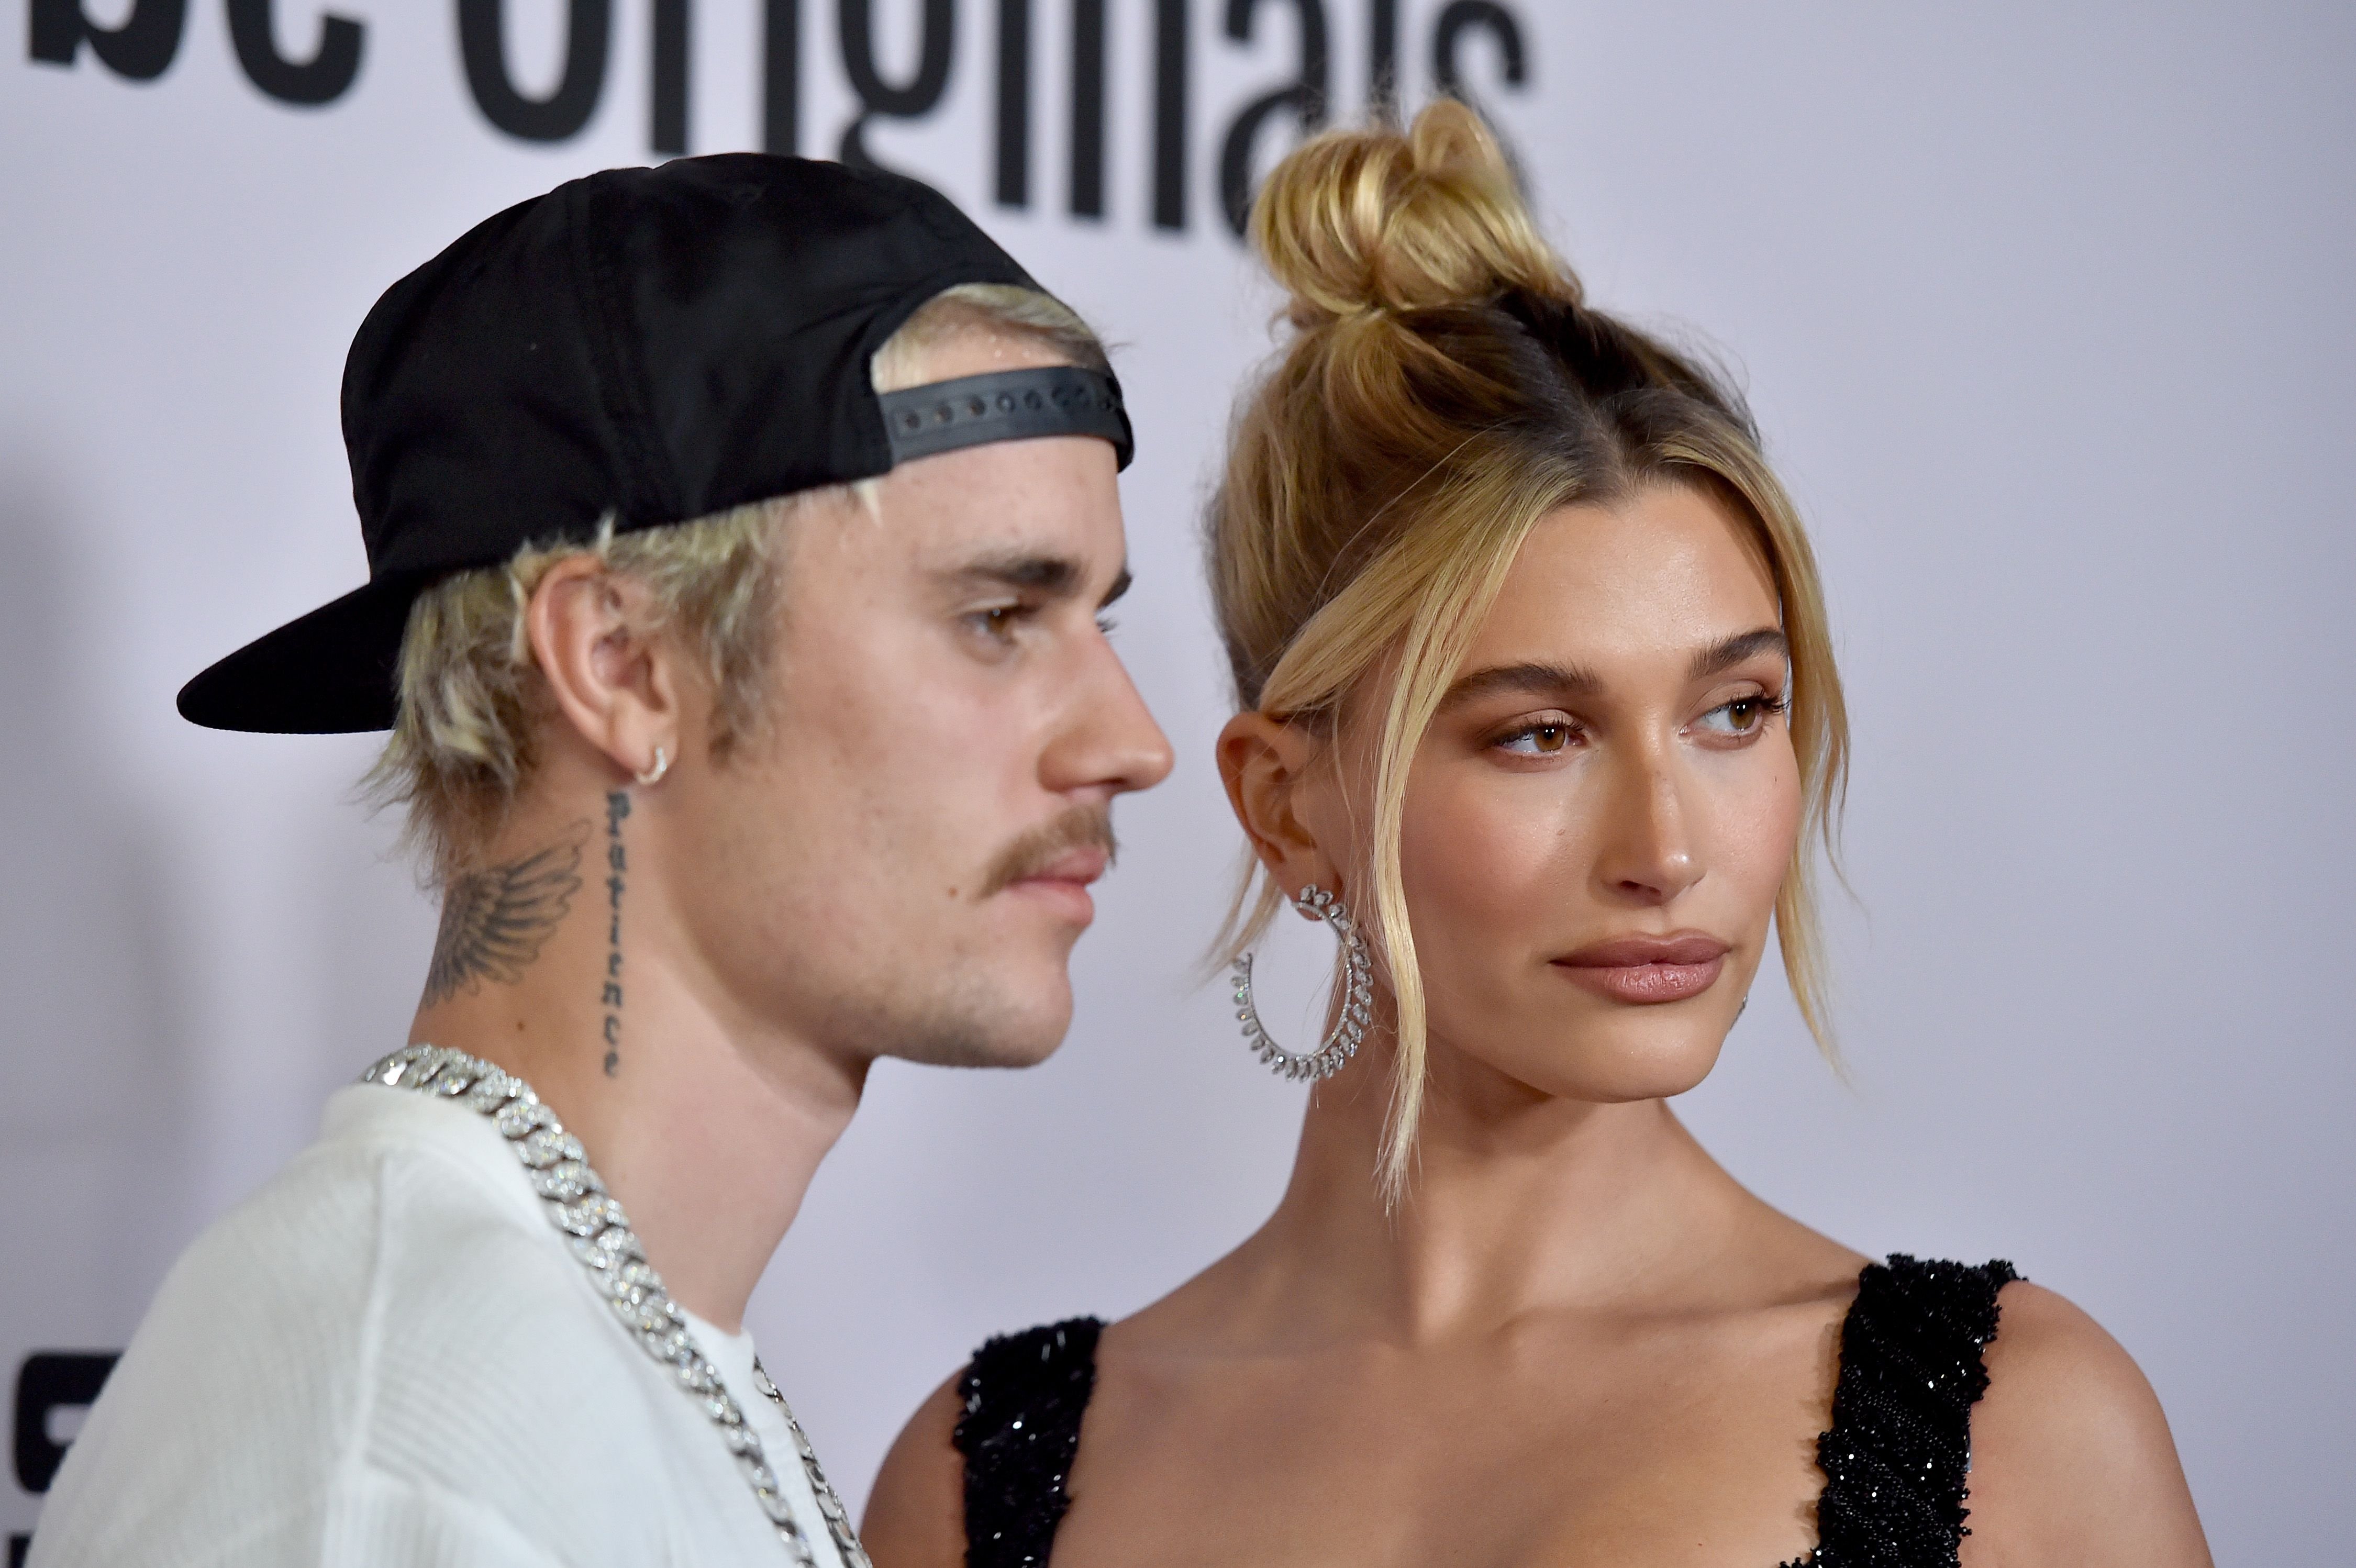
(1744, 716)
(1538, 740)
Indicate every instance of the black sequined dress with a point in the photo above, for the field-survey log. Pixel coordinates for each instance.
(1894, 1462)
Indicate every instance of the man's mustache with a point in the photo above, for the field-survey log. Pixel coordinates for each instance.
(1081, 827)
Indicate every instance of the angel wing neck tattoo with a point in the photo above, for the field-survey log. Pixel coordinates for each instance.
(494, 920)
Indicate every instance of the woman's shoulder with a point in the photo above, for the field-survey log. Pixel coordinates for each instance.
(995, 1439)
(915, 1510)
(1966, 1393)
(2072, 1458)
(1020, 1401)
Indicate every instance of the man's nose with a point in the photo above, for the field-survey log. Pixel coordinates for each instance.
(1114, 743)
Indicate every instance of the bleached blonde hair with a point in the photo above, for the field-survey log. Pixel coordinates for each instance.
(1446, 386)
(472, 701)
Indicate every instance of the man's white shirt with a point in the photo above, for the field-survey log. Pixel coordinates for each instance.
(389, 1356)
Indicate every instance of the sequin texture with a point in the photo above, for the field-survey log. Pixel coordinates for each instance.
(1895, 1461)
(1900, 1450)
(1024, 1394)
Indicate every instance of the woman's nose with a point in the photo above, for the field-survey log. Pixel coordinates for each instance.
(1649, 854)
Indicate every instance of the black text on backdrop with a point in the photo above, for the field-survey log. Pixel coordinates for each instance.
(142, 45)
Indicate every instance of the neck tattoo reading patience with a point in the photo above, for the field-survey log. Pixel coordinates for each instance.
(618, 806)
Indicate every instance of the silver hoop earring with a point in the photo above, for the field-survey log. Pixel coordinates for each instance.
(653, 775)
(1357, 998)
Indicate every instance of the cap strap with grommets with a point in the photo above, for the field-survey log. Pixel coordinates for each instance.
(1006, 405)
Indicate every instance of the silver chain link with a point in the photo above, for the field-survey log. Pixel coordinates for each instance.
(600, 1237)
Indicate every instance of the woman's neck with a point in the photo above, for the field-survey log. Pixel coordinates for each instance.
(1517, 1203)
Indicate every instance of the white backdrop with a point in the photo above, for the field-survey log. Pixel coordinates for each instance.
(2047, 317)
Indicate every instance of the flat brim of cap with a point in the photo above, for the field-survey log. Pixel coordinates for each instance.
(329, 672)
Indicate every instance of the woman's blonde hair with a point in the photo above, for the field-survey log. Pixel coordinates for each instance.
(472, 701)
(1445, 387)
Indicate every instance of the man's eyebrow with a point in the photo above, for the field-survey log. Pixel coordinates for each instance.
(1539, 680)
(1729, 651)
(1121, 585)
(1054, 575)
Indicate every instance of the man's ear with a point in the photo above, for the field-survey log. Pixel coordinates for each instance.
(1266, 766)
(615, 684)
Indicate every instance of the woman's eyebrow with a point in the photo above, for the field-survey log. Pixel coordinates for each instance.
(1539, 680)
(1729, 651)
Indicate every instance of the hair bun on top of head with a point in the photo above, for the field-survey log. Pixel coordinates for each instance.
(1381, 219)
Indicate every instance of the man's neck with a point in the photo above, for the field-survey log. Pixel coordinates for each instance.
(705, 1123)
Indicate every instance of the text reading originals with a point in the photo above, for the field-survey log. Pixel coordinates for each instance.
(143, 44)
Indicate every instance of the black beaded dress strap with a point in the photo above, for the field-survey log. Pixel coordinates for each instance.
(1898, 1456)
(1895, 1462)
(1024, 1395)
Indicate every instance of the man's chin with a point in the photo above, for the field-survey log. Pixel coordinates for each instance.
(972, 1051)
(993, 1038)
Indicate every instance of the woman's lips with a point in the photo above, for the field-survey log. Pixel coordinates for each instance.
(1643, 970)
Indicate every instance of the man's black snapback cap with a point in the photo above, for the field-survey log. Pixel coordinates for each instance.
(652, 344)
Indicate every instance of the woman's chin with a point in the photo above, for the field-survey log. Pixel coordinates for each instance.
(1626, 1059)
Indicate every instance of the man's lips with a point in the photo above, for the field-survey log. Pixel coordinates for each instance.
(1078, 866)
(1063, 883)
(1644, 969)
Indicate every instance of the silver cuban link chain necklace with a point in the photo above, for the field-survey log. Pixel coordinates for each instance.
(600, 1237)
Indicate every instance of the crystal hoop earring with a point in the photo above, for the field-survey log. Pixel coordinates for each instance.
(1357, 998)
(653, 775)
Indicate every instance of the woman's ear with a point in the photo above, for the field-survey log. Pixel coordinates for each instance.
(1268, 768)
(617, 686)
